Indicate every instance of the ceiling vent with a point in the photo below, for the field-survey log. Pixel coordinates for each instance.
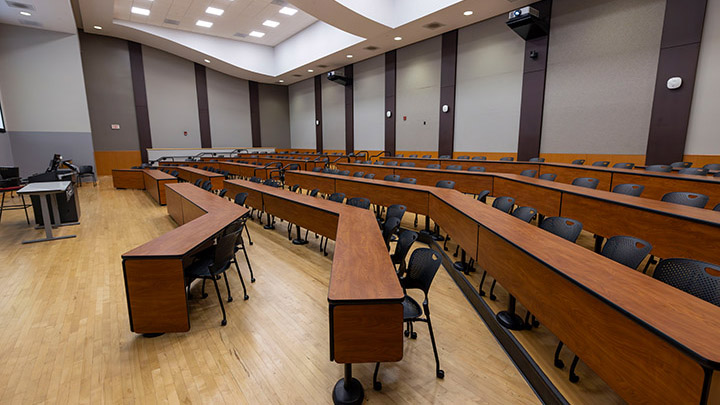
(239, 35)
(296, 75)
(322, 66)
(30, 23)
(171, 22)
(278, 2)
(19, 5)
(433, 25)
(371, 48)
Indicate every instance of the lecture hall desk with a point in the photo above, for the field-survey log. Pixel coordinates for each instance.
(191, 174)
(151, 180)
(650, 342)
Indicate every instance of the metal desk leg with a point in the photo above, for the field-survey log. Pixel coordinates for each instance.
(46, 221)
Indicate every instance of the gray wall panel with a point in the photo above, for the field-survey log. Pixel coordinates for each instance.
(302, 114)
(229, 105)
(489, 86)
(106, 64)
(32, 151)
(418, 95)
(172, 100)
(333, 107)
(274, 115)
(602, 63)
(6, 157)
(369, 102)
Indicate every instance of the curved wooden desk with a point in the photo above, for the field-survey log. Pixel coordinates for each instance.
(151, 180)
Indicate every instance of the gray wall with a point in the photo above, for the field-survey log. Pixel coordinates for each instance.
(702, 137)
(369, 103)
(302, 114)
(489, 85)
(106, 64)
(418, 95)
(172, 100)
(274, 115)
(229, 104)
(333, 107)
(6, 157)
(602, 64)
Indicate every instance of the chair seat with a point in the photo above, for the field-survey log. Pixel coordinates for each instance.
(200, 267)
(411, 309)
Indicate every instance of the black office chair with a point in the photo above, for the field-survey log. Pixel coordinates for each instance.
(563, 227)
(482, 197)
(358, 174)
(659, 168)
(338, 198)
(407, 164)
(479, 158)
(454, 167)
(426, 156)
(578, 162)
(413, 156)
(691, 276)
(390, 227)
(463, 157)
(370, 176)
(683, 165)
(207, 185)
(344, 173)
(392, 177)
(222, 192)
(624, 165)
(717, 174)
(392, 163)
(359, 202)
(294, 188)
(174, 173)
(198, 182)
(712, 166)
(504, 204)
(422, 267)
(717, 208)
(507, 159)
(240, 200)
(528, 173)
(408, 180)
(526, 214)
(445, 184)
(476, 169)
(537, 159)
(379, 162)
(400, 155)
(402, 248)
(629, 189)
(626, 250)
(256, 180)
(690, 199)
(317, 169)
(87, 171)
(444, 157)
(433, 166)
(587, 182)
(548, 176)
(601, 163)
(696, 171)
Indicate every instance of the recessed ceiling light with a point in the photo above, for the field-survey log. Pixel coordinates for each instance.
(257, 34)
(25, 13)
(214, 11)
(288, 11)
(140, 10)
(349, 56)
(207, 60)
(310, 70)
(271, 23)
(97, 27)
(468, 12)
(206, 24)
(281, 81)
(398, 38)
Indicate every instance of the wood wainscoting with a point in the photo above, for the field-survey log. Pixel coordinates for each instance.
(106, 160)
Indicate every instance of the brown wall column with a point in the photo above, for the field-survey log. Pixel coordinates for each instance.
(390, 86)
(533, 90)
(448, 74)
(318, 115)
(137, 72)
(349, 115)
(255, 114)
(203, 107)
(679, 52)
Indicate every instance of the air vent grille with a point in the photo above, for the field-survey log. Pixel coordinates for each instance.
(30, 23)
(278, 2)
(433, 25)
(296, 75)
(171, 22)
(239, 35)
(322, 66)
(372, 48)
(17, 4)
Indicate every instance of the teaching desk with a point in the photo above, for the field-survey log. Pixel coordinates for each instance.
(649, 341)
(151, 180)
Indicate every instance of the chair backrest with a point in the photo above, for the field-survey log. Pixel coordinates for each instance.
(717, 174)
(392, 177)
(400, 155)
(717, 208)
(407, 164)
(507, 159)
(482, 197)
(317, 169)
(476, 169)
(379, 162)
(405, 242)
(681, 164)
(272, 183)
(370, 176)
(464, 157)
(697, 171)
(527, 214)
(240, 198)
(390, 226)
(578, 162)
(445, 184)
(587, 182)
(396, 210)
(528, 173)
(294, 188)
(563, 227)
(548, 176)
(222, 192)
(358, 174)
(444, 157)
(198, 182)
(691, 199)
(86, 169)
(454, 167)
(174, 173)
(629, 189)
(413, 156)
(504, 204)
(479, 158)
(344, 172)
(337, 197)
(293, 166)
(422, 267)
(433, 166)
(359, 202)
(314, 192)
(624, 165)
(408, 180)
(537, 159)
(712, 166)
(692, 276)
(392, 163)
(207, 185)
(659, 168)
(255, 179)
(601, 163)
(224, 252)
(426, 156)
(626, 250)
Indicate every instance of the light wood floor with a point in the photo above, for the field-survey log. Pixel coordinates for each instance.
(65, 336)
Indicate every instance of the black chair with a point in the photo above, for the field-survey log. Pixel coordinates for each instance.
(400, 155)
(392, 177)
(422, 267)
(272, 183)
(528, 173)
(240, 200)
(479, 158)
(317, 169)
(690, 199)
(359, 202)
(207, 185)
(395, 210)
(445, 184)
(402, 248)
(433, 166)
(624, 165)
(370, 176)
(407, 164)
(537, 159)
(717, 174)
(548, 176)
(390, 227)
(659, 168)
(174, 173)
(601, 163)
(691, 276)
(413, 156)
(379, 162)
(314, 192)
(526, 214)
(444, 157)
(463, 157)
(587, 182)
(626, 250)
(712, 166)
(476, 169)
(504, 204)
(697, 171)
(683, 165)
(629, 189)
(344, 172)
(408, 180)
(563, 227)
(222, 192)
(578, 162)
(426, 156)
(454, 167)
(392, 163)
(338, 198)
(256, 180)
(87, 171)
(717, 208)
(294, 188)
(358, 174)
(507, 159)
(198, 182)
(482, 197)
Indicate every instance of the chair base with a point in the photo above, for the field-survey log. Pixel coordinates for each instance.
(510, 320)
(299, 241)
(350, 394)
(152, 335)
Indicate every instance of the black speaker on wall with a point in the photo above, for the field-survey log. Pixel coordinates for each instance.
(528, 23)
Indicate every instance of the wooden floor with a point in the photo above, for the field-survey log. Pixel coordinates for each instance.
(65, 335)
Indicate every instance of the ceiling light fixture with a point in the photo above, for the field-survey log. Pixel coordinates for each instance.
(310, 70)
(349, 56)
(140, 10)
(281, 81)
(214, 11)
(257, 34)
(206, 24)
(398, 38)
(271, 23)
(207, 60)
(468, 13)
(25, 13)
(288, 11)
(97, 27)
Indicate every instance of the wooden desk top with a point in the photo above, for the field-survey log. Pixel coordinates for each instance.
(199, 172)
(158, 174)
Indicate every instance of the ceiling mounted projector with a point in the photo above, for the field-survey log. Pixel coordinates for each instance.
(527, 23)
(345, 81)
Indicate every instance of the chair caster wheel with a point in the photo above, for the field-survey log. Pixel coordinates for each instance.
(230, 299)
(493, 297)
(224, 322)
(251, 243)
(406, 333)
(535, 324)
(574, 379)
(413, 335)
(446, 249)
(559, 363)
(204, 296)
(246, 297)
(252, 280)
(482, 293)
(440, 374)
(377, 386)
